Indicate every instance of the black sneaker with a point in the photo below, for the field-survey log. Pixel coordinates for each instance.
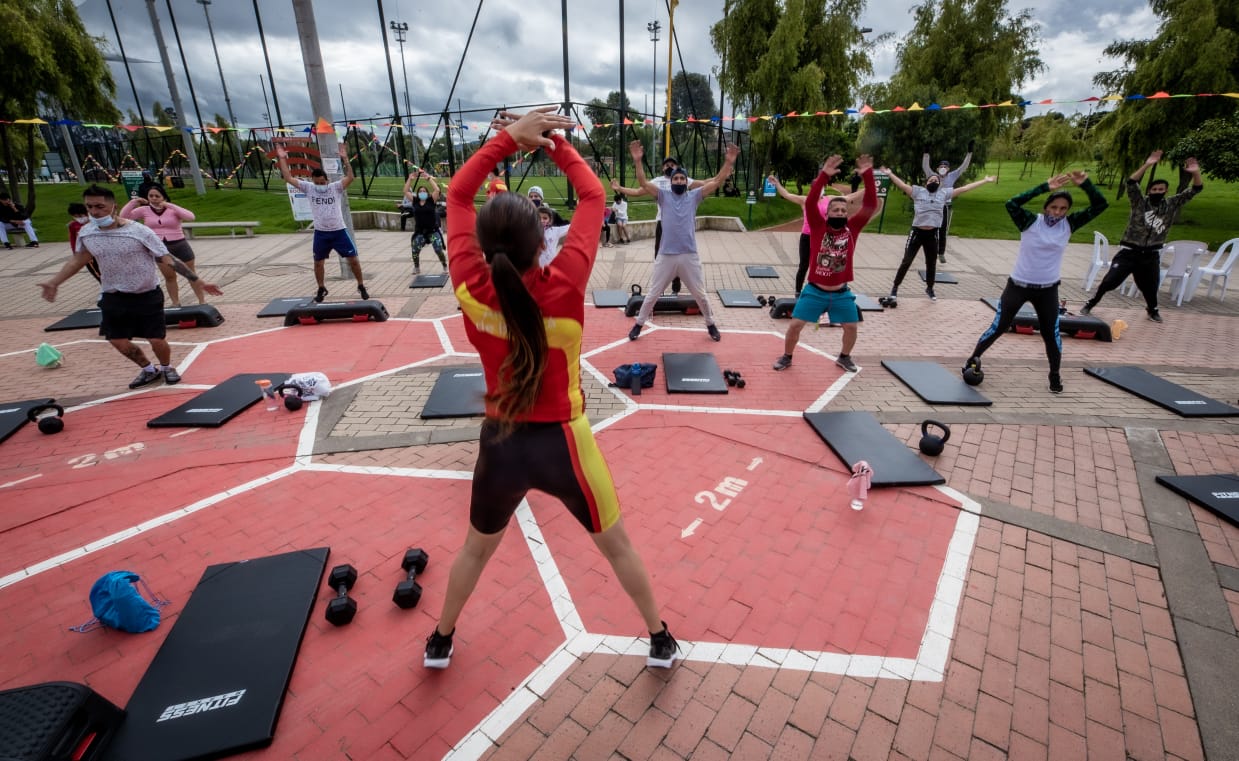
(146, 377)
(1056, 383)
(171, 376)
(438, 650)
(714, 334)
(32, 244)
(1086, 309)
(322, 294)
(930, 293)
(663, 648)
(8, 245)
(783, 362)
(635, 333)
(941, 258)
(845, 361)
(361, 289)
(1155, 316)
(675, 287)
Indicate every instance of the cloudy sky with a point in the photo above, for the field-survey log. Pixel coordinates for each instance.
(516, 56)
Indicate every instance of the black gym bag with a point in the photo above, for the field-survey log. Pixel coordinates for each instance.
(636, 376)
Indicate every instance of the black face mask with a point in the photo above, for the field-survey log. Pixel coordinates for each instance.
(679, 190)
(1156, 198)
(837, 223)
(932, 187)
(668, 171)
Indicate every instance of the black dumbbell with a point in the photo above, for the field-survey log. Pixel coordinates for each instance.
(342, 609)
(730, 377)
(761, 300)
(408, 592)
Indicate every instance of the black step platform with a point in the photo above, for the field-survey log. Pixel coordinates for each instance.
(79, 320)
(1217, 493)
(216, 406)
(56, 720)
(755, 270)
(458, 392)
(280, 307)
(782, 308)
(855, 436)
(1162, 392)
(1072, 325)
(13, 415)
(429, 281)
(693, 374)
(940, 277)
(362, 310)
(217, 683)
(196, 316)
(738, 298)
(935, 384)
(666, 303)
(868, 304)
(606, 298)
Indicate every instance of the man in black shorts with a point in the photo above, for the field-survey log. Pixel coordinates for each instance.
(131, 301)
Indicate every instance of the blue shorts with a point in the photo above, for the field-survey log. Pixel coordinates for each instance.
(340, 240)
(814, 302)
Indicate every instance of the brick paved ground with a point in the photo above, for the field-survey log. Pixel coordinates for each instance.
(1095, 612)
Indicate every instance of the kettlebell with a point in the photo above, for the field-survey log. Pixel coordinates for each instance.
(636, 289)
(930, 444)
(291, 394)
(973, 376)
(48, 424)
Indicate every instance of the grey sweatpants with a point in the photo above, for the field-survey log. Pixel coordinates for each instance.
(667, 267)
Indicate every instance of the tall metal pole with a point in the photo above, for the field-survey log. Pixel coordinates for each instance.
(654, 28)
(670, 50)
(570, 201)
(187, 139)
(400, 29)
(125, 60)
(262, 83)
(279, 118)
(619, 141)
(232, 120)
(320, 96)
(391, 80)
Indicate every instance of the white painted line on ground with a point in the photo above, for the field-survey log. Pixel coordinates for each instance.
(21, 480)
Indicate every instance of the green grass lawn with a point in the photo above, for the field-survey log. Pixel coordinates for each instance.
(1213, 216)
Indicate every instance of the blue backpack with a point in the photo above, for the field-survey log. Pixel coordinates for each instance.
(116, 603)
(636, 376)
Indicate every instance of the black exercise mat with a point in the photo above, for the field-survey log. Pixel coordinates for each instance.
(855, 436)
(935, 384)
(216, 406)
(940, 277)
(693, 374)
(760, 271)
(429, 281)
(868, 303)
(603, 298)
(280, 307)
(1162, 392)
(216, 686)
(737, 298)
(1218, 493)
(1026, 310)
(458, 392)
(13, 415)
(82, 318)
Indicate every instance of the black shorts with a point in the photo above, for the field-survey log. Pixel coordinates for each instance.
(561, 459)
(180, 249)
(132, 315)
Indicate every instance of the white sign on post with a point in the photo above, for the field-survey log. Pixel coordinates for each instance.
(300, 204)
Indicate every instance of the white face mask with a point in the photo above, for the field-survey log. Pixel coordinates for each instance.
(942, 171)
(81, 220)
(103, 221)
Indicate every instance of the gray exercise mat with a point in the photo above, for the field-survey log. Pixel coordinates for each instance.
(737, 298)
(429, 281)
(755, 270)
(1162, 392)
(693, 374)
(458, 392)
(856, 436)
(868, 303)
(940, 277)
(608, 298)
(280, 307)
(1216, 493)
(81, 319)
(935, 384)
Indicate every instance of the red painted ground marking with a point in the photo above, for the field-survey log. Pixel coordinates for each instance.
(341, 350)
(750, 355)
(779, 559)
(508, 628)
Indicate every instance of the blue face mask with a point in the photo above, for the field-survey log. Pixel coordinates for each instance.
(422, 196)
(104, 221)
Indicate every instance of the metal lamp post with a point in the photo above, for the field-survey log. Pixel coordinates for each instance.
(400, 29)
(654, 28)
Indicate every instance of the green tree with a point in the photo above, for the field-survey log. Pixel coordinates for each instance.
(784, 56)
(959, 52)
(610, 141)
(52, 67)
(1196, 50)
(1215, 144)
(1052, 139)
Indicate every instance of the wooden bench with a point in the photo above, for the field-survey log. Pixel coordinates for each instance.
(189, 227)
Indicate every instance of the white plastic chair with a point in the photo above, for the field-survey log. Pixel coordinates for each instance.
(1182, 253)
(1101, 259)
(1218, 268)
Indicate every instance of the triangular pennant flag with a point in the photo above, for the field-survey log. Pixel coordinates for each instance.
(951, 107)
(1089, 100)
(898, 109)
(1046, 102)
(866, 109)
(933, 107)
(35, 120)
(322, 125)
(837, 112)
(1159, 95)
(1135, 97)
(915, 107)
(1113, 97)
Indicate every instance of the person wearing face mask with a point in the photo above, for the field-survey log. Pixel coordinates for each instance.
(164, 219)
(538, 198)
(928, 204)
(670, 164)
(949, 178)
(552, 235)
(424, 204)
(1038, 265)
(1139, 253)
(79, 219)
(677, 255)
(802, 270)
(832, 236)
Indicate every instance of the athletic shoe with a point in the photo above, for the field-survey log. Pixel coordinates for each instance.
(941, 258)
(714, 334)
(171, 376)
(417, 270)
(8, 245)
(361, 289)
(32, 244)
(675, 286)
(783, 362)
(845, 361)
(438, 650)
(322, 294)
(1056, 383)
(1086, 309)
(635, 333)
(146, 377)
(930, 293)
(663, 648)
(1155, 316)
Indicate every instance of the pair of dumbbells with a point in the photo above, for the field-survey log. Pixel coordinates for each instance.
(343, 608)
(733, 378)
(767, 300)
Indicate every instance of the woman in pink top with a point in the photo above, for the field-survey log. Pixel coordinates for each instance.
(164, 219)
